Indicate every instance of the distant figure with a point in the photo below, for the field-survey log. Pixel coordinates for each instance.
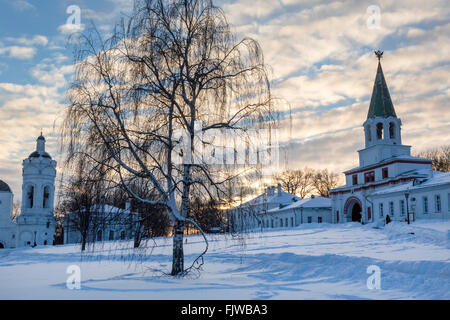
(388, 219)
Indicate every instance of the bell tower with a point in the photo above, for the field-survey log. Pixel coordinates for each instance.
(382, 129)
(36, 221)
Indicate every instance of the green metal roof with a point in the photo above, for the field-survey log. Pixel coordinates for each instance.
(381, 103)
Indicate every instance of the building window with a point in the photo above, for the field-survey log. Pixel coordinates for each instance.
(355, 179)
(281, 222)
(46, 196)
(111, 235)
(122, 235)
(319, 219)
(99, 235)
(425, 205)
(30, 196)
(448, 202)
(437, 200)
(369, 176)
(309, 219)
(381, 210)
(271, 223)
(292, 221)
(391, 208)
(48, 225)
(402, 207)
(385, 173)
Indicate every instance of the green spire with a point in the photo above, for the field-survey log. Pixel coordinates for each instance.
(381, 103)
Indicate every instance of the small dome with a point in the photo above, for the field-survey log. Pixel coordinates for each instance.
(4, 186)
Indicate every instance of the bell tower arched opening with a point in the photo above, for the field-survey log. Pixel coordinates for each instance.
(391, 130)
(379, 131)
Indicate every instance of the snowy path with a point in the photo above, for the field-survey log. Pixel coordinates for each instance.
(309, 262)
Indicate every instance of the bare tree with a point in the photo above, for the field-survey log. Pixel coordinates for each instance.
(81, 194)
(440, 157)
(324, 181)
(298, 182)
(207, 214)
(171, 65)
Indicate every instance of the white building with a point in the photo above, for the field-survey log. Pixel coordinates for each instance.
(254, 213)
(107, 223)
(312, 210)
(36, 224)
(387, 173)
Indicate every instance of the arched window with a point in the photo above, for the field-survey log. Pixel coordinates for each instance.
(391, 130)
(46, 198)
(99, 235)
(379, 131)
(30, 197)
(369, 133)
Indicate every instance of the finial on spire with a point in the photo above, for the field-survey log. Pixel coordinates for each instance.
(379, 54)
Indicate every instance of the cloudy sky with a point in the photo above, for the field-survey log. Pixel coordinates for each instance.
(320, 54)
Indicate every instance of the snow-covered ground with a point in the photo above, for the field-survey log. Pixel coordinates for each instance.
(309, 262)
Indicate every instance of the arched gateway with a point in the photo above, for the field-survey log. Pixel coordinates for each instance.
(353, 209)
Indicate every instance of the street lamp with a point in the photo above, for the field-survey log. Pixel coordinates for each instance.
(407, 204)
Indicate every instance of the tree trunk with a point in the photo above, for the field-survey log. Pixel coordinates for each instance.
(83, 243)
(178, 254)
(138, 237)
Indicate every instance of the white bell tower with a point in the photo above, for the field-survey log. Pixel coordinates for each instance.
(382, 129)
(36, 221)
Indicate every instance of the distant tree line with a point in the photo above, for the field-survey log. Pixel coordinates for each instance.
(440, 157)
(307, 181)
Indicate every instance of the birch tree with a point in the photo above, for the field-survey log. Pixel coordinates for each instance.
(172, 66)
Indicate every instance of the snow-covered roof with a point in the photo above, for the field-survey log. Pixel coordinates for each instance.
(313, 202)
(436, 178)
(395, 158)
(277, 198)
(108, 209)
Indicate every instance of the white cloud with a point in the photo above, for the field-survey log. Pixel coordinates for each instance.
(36, 40)
(18, 52)
(69, 28)
(22, 5)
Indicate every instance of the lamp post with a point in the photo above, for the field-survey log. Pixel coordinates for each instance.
(407, 204)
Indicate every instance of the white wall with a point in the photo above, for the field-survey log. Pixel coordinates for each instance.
(418, 208)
